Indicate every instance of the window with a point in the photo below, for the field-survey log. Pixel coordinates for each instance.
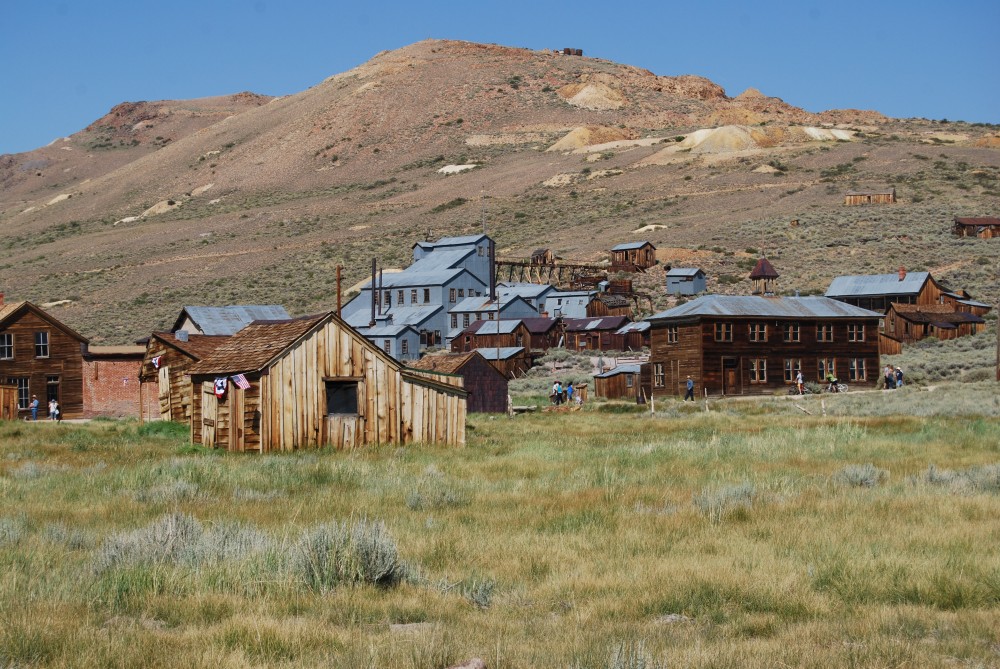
(388, 298)
(519, 340)
(413, 296)
(856, 332)
(6, 346)
(856, 369)
(723, 332)
(461, 293)
(437, 337)
(758, 331)
(342, 398)
(825, 367)
(399, 297)
(454, 321)
(790, 332)
(41, 344)
(628, 380)
(387, 346)
(824, 332)
(23, 393)
(659, 378)
(451, 295)
(490, 315)
(758, 370)
(404, 346)
(480, 250)
(671, 334)
(375, 295)
(465, 320)
(792, 367)
(427, 295)
(51, 388)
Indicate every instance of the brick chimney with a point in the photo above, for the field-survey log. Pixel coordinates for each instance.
(902, 272)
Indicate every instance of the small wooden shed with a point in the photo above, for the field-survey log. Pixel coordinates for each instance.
(164, 370)
(543, 257)
(984, 228)
(315, 381)
(633, 257)
(633, 381)
(857, 197)
(486, 386)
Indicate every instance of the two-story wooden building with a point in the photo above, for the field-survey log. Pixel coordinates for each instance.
(745, 345)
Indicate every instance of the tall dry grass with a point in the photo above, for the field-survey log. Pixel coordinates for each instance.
(745, 536)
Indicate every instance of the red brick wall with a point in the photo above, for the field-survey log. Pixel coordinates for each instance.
(111, 388)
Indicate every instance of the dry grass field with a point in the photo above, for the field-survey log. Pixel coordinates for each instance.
(750, 535)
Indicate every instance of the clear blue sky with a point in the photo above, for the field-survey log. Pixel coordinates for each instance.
(65, 63)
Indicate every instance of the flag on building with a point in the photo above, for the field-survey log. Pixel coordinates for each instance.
(156, 362)
(220, 387)
(240, 382)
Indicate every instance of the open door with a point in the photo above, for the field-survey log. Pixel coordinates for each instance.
(163, 392)
(209, 415)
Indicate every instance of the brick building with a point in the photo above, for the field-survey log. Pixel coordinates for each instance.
(111, 382)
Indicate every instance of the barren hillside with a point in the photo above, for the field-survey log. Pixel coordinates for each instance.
(251, 199)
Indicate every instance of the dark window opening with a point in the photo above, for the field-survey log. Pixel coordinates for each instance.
(342, 397)
(41, 344)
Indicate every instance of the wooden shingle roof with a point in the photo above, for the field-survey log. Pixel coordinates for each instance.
(256, 345)
(447, 363)
(197, 346)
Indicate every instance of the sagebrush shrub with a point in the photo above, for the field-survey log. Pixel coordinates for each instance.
(336, 553)
(861, 476)
(718, 502)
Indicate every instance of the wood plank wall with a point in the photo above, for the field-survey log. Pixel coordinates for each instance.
(65, 360)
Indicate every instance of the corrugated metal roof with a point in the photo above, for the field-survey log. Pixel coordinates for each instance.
(684, 271)
(439, 260)
(452, 241)
(631, 368)
(484, 327)
(230, 319)
(387, 330)
(638, 326)
(605, 323)
(763, 307)
(540, 325)
(570, 294)
(503, 353)
(415, 316)
(628, 246)
(863, 285)
(475, 303)
(973, 303)
(408, 279)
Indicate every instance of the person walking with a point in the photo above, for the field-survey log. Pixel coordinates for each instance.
(690, 389)
(890, 378)
(34, 407)
(800, 383)
(569, 393)
(899, 378)
(56, 412)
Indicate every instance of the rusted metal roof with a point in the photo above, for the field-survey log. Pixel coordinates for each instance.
(605, 323)
(255, 346)
(630, 246)
(987, 221)
(753, 306)
(764, 270)
(540, 325)
(631, 368)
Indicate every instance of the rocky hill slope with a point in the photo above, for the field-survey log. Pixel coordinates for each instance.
(252, 199)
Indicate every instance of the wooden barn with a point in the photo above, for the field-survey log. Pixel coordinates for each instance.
(164, 371)
(632, 381)
(633, 257)
(595, 334)
(41, 356)
(984, 228)
(912, 322)
(752, 345)
(857, 197)
(510, 361)
(962, 301)
(315, 381)
(486, 386)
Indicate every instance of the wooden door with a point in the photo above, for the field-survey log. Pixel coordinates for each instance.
(730, 376)
(163, 392)
(236, 427)
(209, 414)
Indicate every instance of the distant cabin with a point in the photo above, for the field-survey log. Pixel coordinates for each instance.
(543, 257)
(856, 197)
(685, 281)
(511, 361)
(633, 381)
(912, 322)
(984, 228)
(486, 386)
(633, 257)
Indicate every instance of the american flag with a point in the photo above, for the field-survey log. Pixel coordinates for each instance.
(240, 382)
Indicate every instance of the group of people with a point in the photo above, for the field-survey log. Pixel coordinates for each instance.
(565, 395)
(54, 412)
(893, 377)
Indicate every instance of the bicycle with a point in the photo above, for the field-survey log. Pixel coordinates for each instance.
(840, 388)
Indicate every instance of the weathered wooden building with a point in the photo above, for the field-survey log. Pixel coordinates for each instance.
(912, 322)
(491, 334)
(985, 228)
(315, 381)
(632, 381)
(608, 304)
(742, 345)
(164, 372)
(595, 334)
(633, 257)
(878, 291)
(543, 257)
(631, 337)
(41, 356)
(8, 401)
(857, 197)
(510, 361)
(545, 333)
(485, 385)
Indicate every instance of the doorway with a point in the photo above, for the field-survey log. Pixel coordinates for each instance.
(730, 376)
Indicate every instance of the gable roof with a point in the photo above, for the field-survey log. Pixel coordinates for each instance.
(387, 330)
(415, 316)
(764, 270)
(628, 246)
(255, 346)
(525, 290)
(755, 306)
(502, 353)
(605, 323)
(439, 260)
(408, 279)
(502, 326)
(628, 368)
(229, 319)
(868, 285)
(540, 325)
(197, 346)
(637, 326)
(10, 311)
(935, 314)
(684, 271)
